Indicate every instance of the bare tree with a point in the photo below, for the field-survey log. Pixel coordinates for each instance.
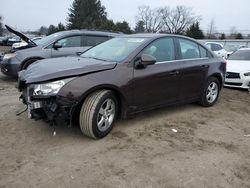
(211, 29)
(233, 32)
(177, 20)
(150, 17)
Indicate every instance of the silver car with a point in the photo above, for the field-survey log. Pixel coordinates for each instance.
(65, 43)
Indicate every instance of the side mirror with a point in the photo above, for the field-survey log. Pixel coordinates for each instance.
(148, 59)
(57, 45)
(145, 60)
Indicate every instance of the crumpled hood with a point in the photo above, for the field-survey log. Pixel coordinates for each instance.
(56, 68)
(238, 66)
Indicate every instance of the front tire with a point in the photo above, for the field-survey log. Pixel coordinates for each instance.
(98, 114)
(210, 93)
(28, 63)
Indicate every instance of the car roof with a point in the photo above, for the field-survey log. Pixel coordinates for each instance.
(154, 35)
(214, 43)
(159, 35)
(92, 32)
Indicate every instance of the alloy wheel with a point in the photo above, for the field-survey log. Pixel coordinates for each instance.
(212, 92)
(106, 115)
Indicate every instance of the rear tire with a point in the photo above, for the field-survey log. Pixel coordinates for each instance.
(98, 114)
(210, 93)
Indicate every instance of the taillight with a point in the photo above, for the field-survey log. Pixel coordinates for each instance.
(225, 63)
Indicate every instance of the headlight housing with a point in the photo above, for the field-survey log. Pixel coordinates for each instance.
(9, 56)
(50, 88)
(247, 74)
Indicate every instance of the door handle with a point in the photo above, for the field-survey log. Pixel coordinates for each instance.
(204, 66)
(175, 72)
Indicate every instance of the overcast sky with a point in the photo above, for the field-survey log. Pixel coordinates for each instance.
(31, 14)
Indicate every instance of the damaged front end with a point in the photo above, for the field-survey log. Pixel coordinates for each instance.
(42, 104)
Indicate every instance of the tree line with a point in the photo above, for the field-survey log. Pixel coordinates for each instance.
(91, 14)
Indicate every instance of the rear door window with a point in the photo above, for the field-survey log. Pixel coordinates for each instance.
(203, 52)
(92, 40)
(189, 49)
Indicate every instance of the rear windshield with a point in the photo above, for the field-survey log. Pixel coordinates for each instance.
(243, 55)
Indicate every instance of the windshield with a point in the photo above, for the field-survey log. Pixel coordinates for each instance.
(243, 55)
(116, 49)
(36, 39)
(47, 39)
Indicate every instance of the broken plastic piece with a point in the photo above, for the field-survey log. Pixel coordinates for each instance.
(174, 130)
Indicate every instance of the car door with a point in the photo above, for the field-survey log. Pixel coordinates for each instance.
(71, 45)
(194, 67)
(159, 83)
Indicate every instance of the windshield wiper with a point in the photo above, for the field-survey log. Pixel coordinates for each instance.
(96, 58)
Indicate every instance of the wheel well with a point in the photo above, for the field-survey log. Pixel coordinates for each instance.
(119, 97)
(33, 58)
(218, 77)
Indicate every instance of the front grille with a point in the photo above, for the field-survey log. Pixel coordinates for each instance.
(4, 67)
(232, 75)
(233, 84)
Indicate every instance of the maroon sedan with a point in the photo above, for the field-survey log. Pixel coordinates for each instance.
(120, 78)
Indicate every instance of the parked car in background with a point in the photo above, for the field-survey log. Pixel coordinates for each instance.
(65, 43)
(217, 48)
(238, 69)
(1, 56)
(23, 43)
(2, 39)
(13, 40)
(121, 77)
(243, 46)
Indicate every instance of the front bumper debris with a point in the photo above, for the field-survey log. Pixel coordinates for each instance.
(53, 109)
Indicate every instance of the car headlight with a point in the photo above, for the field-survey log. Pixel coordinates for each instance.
(9, 56)
(247, 74)
(50, 88)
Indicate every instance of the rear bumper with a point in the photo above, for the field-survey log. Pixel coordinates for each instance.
(10, 67)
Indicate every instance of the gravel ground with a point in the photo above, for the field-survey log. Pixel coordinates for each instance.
(210, 149)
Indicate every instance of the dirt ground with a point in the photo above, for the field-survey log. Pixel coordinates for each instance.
(210, 149)
(4, 49)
